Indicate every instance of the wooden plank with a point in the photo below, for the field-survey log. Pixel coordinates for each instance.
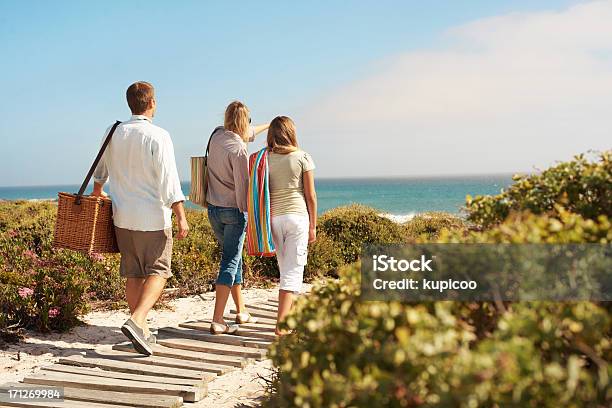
(58, 404)
(266, 334)
(231, 319)
(258, 313)
(265, 328)
(123, 398)
(261, 324)
(135, 368)
(204, 335)
(257, 330)
(97, 372)
(260, 320)
(189, 394)
(204, 325)
(111, 397)
(233, 339)
(31, 403)
(163, 361)
(270, 318)
(264, 307)
(217, 348)
(162, 351)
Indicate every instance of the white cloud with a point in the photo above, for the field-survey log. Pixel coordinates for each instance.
(504, 94)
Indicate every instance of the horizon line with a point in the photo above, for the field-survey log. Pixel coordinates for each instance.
(406, 177)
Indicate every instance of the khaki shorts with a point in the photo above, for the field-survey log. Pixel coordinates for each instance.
(145, 253)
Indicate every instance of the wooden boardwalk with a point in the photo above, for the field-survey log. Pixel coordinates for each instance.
(185, 359)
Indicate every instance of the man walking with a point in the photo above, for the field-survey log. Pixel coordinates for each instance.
(145, 189)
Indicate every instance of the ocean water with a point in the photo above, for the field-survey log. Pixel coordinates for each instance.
(406, 196)
(397, 196)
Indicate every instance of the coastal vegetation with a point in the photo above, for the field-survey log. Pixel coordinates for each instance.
(46, 289)
(347, 352)
(581, 185)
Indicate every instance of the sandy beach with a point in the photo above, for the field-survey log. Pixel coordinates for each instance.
(101, 330)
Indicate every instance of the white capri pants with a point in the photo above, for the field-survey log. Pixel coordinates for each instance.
(290, 235)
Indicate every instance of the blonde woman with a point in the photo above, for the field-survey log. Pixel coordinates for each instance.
(293, 207)
(227, 205)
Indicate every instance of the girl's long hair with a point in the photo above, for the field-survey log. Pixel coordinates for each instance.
(237, 118)
(282, 137)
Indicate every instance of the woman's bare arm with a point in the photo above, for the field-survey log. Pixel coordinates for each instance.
(255, 131)
(261, 128)
(311, 203)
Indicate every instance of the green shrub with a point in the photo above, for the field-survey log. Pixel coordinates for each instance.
(324, 258)
(195, 259)
(541, 355)
(351, 353)
(45, 293)
(39, 288)
(561, 227)
(260, 270)
(347, 352)
(31, 223)
(428, 226)
(581, 186)
(352, 226)
(28, 226)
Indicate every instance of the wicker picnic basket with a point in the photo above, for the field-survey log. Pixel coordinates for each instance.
(85, 223)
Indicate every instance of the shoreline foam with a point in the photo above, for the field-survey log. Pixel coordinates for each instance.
(399, 218)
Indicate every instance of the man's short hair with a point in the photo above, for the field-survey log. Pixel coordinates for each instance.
(139, 96)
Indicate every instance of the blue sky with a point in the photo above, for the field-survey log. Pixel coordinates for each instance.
(66, 65)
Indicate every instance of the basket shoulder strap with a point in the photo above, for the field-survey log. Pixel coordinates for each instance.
(96, 161)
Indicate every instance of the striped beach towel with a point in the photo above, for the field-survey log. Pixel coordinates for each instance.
(259, 233)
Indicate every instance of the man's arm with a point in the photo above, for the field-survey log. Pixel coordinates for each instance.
(183, 227)
(98, 190)
(172, 195)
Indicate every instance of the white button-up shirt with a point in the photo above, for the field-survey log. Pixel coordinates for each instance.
(144, 182)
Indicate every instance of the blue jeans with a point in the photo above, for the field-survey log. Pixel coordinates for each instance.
(229, 225)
